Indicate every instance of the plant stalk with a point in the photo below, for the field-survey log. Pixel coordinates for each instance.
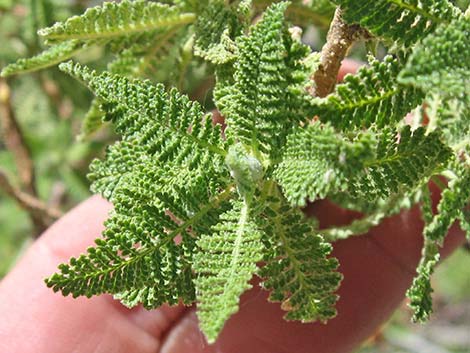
(341, 36)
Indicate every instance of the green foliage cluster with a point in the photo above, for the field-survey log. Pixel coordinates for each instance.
(198, 211)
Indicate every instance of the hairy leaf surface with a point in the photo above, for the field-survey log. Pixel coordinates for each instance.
(117, 19)
(441, 63)
(52, 56)
(404, 21)
(224, 264)
(298, 272)
(371, 97)
(215, 29)
(268, 97)
(318, 161)
(450, 207)
(166, 127)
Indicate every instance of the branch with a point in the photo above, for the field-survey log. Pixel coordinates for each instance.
(340, 38)
(29, 203)
(14, 140)
(40, 215)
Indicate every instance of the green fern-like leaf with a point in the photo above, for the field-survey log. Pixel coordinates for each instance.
(404, 21)
(225, 263)
(372, 96)
(139, 250)
(145, 55)
(168, 126)
(215, 29)
(298, 271)
(138, 29)
(199, 210)
(268, 97)
(148, 174)
(139, 59)
(92, 121)
(139, 253)
(450, 207)
(402, 162)
(421, 290)
(317, 161)
(305, 12)
(452, 116)
(441, 63)
(52, 56)
(117, 19)
(453, 201)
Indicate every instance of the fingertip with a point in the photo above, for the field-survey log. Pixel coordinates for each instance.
(69, 236)
(186, 337)
(348, 66)
(77, 230)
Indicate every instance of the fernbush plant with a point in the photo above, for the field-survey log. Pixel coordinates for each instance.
(199, 210)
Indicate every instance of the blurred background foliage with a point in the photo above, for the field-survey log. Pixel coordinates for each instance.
(49, 108)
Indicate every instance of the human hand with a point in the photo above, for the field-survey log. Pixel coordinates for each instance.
(378, 268)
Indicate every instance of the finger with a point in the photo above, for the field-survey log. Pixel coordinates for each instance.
(378, 268)
(53, 323)
(348, 66)
(71, 235)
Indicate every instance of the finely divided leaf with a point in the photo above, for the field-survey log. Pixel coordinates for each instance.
(298, 272)
(117, 19)
(268, 96)
(452, 116)
(51, 56)
(404, 21)
(145, 56)
(138, 248)
(372, 96)
(195, 213)
(421, 290)
(225, 262)
(165, 183)
(451, 206)
(148, 51)
(402, 163)
(452, 203)
(215, 29)
(318, 161)
(441, 63)
(165, 126)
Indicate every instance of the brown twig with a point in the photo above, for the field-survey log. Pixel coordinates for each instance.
(14, 140)
(57, 195)
(340, 38)
(41, 216)
(29, 203)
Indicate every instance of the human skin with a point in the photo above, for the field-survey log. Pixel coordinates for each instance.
(378, 268)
